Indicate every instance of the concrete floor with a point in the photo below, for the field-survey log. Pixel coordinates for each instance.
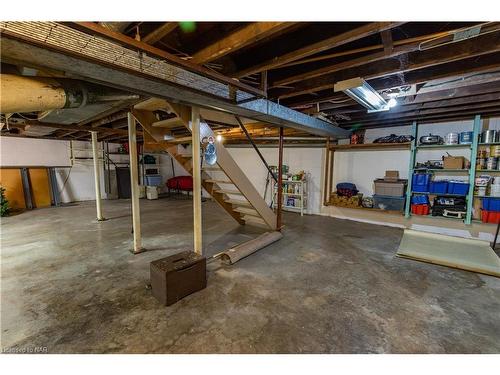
(330, 286)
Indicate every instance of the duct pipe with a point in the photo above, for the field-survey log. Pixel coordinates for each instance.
(21, 94)
(118, 27)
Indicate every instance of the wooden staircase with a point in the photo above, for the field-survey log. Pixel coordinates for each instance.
(225, 182)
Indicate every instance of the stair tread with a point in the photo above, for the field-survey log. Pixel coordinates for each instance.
(238, 202)
(247, 211)
(211, 168)
(218, 181)
(226, 191)
(254, 220)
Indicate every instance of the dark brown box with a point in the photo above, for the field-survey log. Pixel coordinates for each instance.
(177, 276)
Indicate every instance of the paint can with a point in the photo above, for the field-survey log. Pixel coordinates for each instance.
(451, 139)
(466, 138)
(484, 152)
(495, 151)
(489, 136)
(491, 163)
(480, 163)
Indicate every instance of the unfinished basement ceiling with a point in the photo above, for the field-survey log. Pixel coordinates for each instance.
(296, 64)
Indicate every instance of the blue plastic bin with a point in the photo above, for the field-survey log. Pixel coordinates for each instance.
(153, 180)
(458, 187)
(420, 199)
(491, 204)
(439, 187)
(420, 182)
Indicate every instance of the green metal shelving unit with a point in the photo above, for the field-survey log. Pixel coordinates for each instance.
(471, 172)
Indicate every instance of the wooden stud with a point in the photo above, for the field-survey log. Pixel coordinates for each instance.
(196, 172)
(134, 184)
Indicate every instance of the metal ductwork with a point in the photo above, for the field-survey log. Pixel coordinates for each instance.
(118, 27)
(132, 68)
(21, 94)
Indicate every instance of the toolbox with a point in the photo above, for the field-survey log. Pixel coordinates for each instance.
(451, 204)
(177, 276)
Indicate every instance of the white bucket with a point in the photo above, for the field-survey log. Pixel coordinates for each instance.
(152, 192)
(451, 139)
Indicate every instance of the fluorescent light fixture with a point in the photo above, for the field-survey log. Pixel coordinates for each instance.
(392, 102)
(168, 137)
(363, 93)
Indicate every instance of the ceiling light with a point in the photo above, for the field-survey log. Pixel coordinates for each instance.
(392, 102)
(219, 138)
(363, 93)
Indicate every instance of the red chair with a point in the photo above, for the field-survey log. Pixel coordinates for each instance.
(180, 183)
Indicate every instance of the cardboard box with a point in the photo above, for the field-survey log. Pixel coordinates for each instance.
(453, 162)
(391, 175)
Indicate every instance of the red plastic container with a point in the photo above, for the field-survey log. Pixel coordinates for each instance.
(420, 209)
(490, 217)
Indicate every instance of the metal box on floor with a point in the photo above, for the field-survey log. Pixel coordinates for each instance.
(177, 276)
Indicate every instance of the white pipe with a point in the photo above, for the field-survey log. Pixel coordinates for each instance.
(197, 226)
(97, 177)
(134, 184)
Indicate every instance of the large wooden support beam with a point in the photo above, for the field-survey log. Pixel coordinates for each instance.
(241, 38)
(134, 185)
(97, 177)
(323, 45)
(197, 226)
(160, 33)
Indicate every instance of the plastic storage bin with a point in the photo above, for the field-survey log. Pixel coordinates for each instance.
(438, 187)
(153, 180)
(420, 182)
(390, 188)
(420, 209)
(420, 199)
(491, 204)
(458, 187)
(388, 203)
(490, 217)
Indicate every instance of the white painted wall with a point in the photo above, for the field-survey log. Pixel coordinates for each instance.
(79, 186)
(307, 159)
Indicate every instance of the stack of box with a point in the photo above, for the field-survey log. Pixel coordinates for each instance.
(389, 192)
(490, 212)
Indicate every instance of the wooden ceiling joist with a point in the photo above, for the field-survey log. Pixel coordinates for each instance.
(312, 49)
(160, 33)
(241, 38)
(412, 61)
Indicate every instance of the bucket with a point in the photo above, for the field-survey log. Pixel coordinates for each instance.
(489, 136)
(491, 163)
(151, 192)
(480, 163)
(451, 139)
(466, 137)
(495, 151)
